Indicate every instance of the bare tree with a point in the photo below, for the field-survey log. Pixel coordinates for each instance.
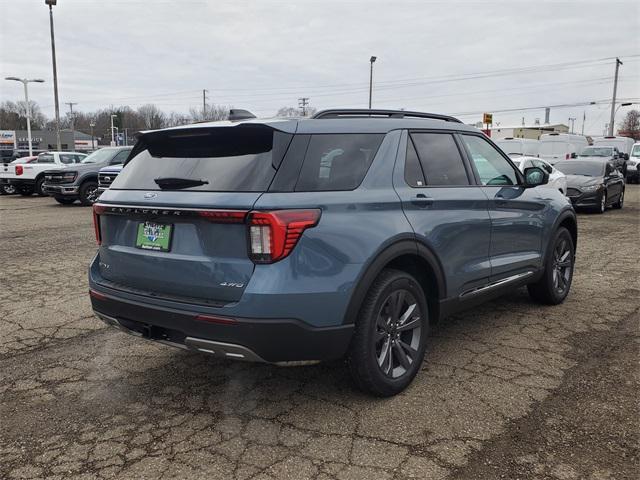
(630, 126)
(176, 119)
(295, 112)
(212, 113)
(152, 117)
(13, 115)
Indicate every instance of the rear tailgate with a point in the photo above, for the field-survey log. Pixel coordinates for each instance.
(189, 242)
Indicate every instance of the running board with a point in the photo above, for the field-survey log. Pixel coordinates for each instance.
(498, 283)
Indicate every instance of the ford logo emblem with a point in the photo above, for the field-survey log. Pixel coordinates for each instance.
(150, 195)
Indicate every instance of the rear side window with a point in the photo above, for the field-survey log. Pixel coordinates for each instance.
(440, 159)
(243, 158)
(337, 161)
(45, 158)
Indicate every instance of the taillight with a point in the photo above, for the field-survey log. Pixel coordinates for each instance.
(223, 216)
(19, 170)
(97, 210)
(273, 235)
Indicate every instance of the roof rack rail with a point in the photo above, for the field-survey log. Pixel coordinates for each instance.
(363, 112)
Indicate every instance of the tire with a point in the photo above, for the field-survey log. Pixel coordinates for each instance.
(602, 206)
(89, 193)
(65, 200)
(38, 187)
(618, 205)
(25, 191)
(6, 189)
(556, 280)
(384, 356)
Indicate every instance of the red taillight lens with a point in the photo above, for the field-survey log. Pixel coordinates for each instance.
(97, 210)
(19, 170)
(273, 235)
(223, 216)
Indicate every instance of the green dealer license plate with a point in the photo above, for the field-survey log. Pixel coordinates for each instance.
(154, 236)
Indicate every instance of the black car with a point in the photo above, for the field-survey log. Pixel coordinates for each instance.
(593, 184)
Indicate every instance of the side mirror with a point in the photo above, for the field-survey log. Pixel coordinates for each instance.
(574, 155)
(534, 176)
(626, 156)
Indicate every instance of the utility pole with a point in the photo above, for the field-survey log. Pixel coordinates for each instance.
(303, 103)
(73, 124)
(93, 145)
(613, 101)
(572, 120)
(55, 73)
(204, 104)
(584, 119)
(113, 138)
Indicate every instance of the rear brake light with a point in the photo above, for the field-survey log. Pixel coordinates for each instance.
(223, 216)
(273, 235)
(19, 170)
(97, 210)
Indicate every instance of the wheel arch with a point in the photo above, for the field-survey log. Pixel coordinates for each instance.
(568, 220)
(409, 256)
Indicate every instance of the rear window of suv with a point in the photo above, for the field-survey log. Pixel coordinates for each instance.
(243, 158)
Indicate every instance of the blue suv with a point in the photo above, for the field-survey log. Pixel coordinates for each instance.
(346, 235)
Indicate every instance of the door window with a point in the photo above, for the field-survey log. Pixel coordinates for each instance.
(440, 159)
(67, 158)
(492, 167)
(120, 157)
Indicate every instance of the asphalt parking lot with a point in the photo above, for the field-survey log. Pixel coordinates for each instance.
(508, 390)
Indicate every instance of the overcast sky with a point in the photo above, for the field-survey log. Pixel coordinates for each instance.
(445, 57)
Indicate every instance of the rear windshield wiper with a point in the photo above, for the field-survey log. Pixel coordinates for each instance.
(170, 183)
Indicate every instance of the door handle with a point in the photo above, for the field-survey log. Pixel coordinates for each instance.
(421, 200)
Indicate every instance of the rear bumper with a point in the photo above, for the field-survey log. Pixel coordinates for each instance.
(62, 189)
(19, 182)
(266, 340)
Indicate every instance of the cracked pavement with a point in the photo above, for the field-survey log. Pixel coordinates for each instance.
(79, 400)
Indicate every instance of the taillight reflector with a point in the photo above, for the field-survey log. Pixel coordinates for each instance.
(273, 235)
(96, 295)
(97, 210)
(19, 170)
(215, 319)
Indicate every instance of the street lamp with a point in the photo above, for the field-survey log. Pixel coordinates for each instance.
(371, 60)
(113, 140)
(25, 81)
(51, 3)
(93, 146)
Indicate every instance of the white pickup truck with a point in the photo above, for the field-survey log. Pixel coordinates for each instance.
(28, 178)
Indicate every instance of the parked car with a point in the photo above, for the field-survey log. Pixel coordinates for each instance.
(561, 146)
(557, 179)
(29, 178)
(593, 184)
(519, 146)
(301, 240)
(5, 188)
(106, 176)
(633, 165)
(605, 153)
(81, 181)
(623, 144)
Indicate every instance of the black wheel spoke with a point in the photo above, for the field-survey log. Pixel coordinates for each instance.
(410, 324)
(402, 356)
(412, 352)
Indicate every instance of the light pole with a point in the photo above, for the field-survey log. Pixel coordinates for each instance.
(572, 121)
(25, 81)
(613, 101)
(51, 3)
(616, 112)
(93, 145)
(113, 138)
(371, 61)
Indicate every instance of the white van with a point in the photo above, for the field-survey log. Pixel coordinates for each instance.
(624, 144)
(527, 147)
(561, 146)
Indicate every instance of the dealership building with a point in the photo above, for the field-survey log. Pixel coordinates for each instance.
(43, 140)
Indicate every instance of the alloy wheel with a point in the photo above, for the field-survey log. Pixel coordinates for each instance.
(562, 266)
(603, 202)
(92, 194)
(398, 333)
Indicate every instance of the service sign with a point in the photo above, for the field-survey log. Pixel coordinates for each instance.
(7, 137)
